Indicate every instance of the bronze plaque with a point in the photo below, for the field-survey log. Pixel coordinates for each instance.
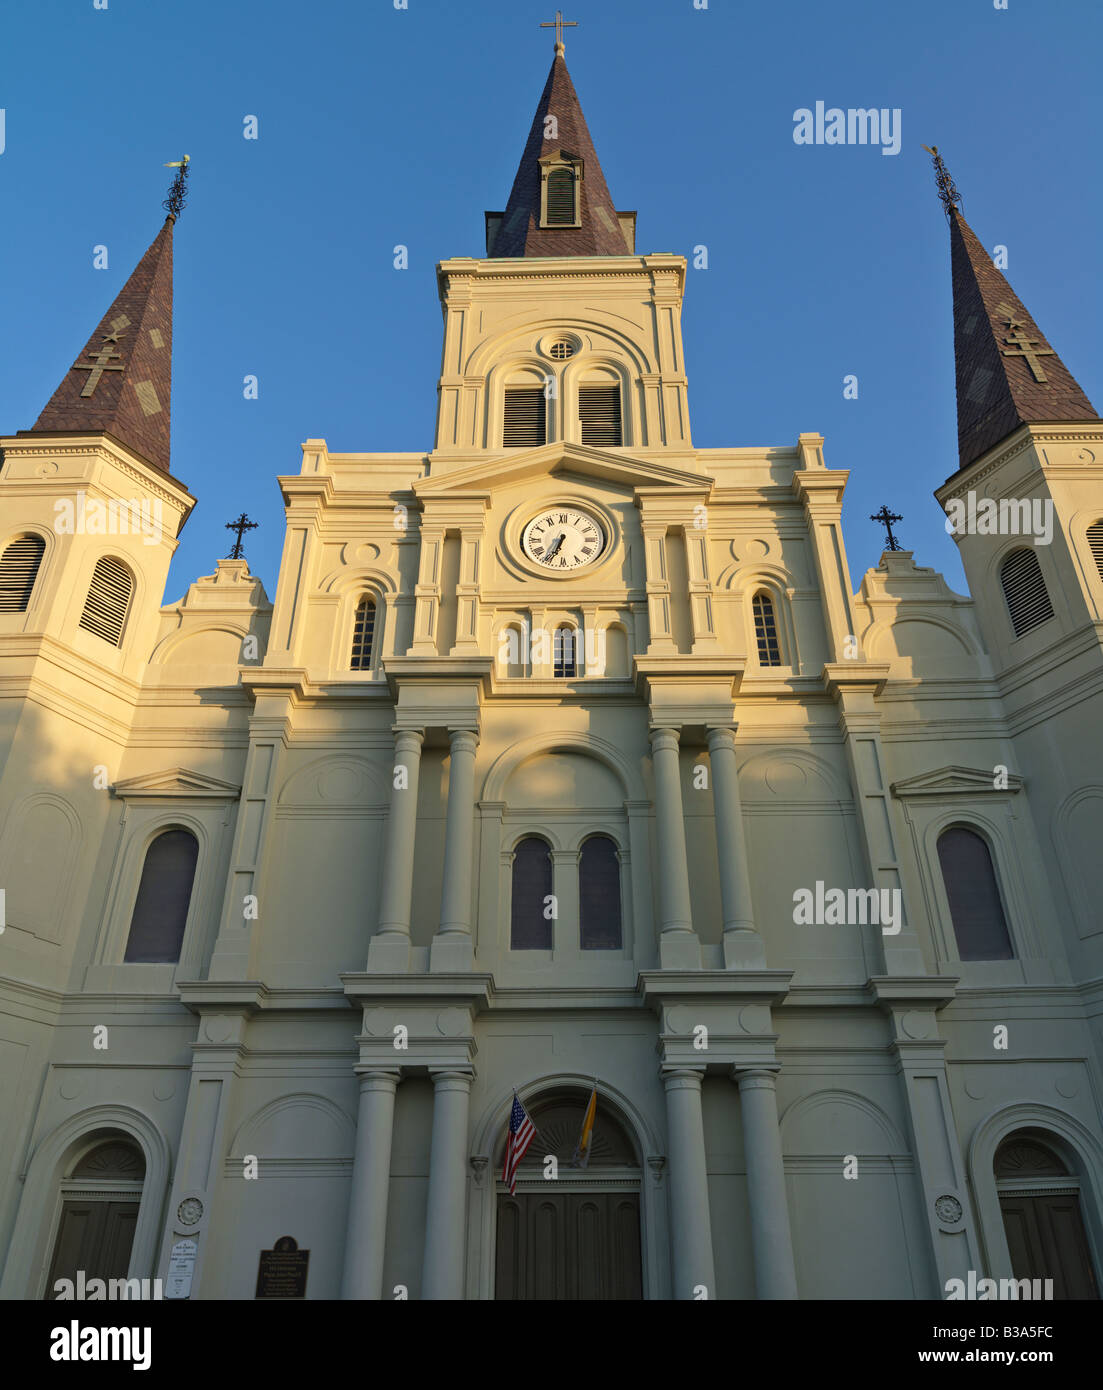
(282, 1270)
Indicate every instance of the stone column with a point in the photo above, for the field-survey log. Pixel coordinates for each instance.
(743, 948)
(389, 948)
(678, 944)
(442, 1271)
(452, 947)
(690, 1225)
(371, 1179)
(775, 1274)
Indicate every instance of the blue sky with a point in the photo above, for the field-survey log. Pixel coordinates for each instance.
(380, 126)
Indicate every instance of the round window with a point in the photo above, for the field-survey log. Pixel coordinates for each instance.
(561, 350)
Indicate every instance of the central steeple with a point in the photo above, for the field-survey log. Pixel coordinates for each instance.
(560, 204)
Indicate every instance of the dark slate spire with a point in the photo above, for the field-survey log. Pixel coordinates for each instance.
(121, 383)
(520, 233)
(1007, 373)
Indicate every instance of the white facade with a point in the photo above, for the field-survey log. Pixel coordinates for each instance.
(356, 830)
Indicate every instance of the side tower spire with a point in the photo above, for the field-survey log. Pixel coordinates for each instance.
(121, 384)
(1007, 373)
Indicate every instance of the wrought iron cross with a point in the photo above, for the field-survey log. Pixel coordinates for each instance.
(241, 525)
(947, 189)
(886, 518)
(178, 193)
(1025, 346)
(559, 24)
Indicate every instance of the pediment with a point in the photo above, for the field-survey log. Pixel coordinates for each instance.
(547, 459)
(176, 783)
(956, 780)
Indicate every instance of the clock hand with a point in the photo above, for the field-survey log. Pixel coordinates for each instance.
(553, 549)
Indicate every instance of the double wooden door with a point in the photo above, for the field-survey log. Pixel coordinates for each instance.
(95, 1236)
(1045, 1235)
(568, 1245)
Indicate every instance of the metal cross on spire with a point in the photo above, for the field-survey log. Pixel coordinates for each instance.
(241, 525)
(178, 193)
(559, 24)
(947, 189)
(886, 518)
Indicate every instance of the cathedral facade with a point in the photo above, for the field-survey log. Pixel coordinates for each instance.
(565, 758)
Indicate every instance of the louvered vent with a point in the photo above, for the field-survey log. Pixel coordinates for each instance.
(1095, 541)
(1025, 590)
(108, 599)
(599, 411)
(525, 417)
(18, 571)
(561, 198)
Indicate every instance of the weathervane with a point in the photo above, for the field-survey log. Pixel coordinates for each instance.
(886, 518)
(559, 24)
(947, 189)
(241, 525)
(178, 193)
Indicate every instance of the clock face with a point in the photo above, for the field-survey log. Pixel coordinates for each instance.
(563, 538)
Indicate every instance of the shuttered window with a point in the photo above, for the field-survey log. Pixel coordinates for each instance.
(1025, 590)
(765, 631)
(525, 422)
(599, 412)
(108, 599)
(599, 895)
(530, 929)
(1095, 541)
(18, 571)
(363, 634)
(564, 653)
(561, 198)
(974, 896)
(164, 894)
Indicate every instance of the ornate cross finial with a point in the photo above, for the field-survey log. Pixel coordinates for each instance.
(178, 193)
(559, 24)
(947, 189)
(886, 518)
(241, 525)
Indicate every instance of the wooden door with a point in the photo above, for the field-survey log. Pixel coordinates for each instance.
(569, 1245)
(1046, 1237)
(94, 1236)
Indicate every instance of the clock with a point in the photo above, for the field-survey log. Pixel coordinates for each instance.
(563, 538)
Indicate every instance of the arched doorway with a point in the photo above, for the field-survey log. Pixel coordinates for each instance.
(101, 1191)
(1040, 1204)
(576, 1236)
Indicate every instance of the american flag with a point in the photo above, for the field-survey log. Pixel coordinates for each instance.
(521, 1134)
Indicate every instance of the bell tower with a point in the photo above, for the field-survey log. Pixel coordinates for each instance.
(562, 332)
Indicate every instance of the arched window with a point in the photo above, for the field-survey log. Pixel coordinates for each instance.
(108, 599)
(1024, 588)
(974, 896)
(560, 205)
(564, 652)
(530, 926)
(18, 571)
(765, 630)
(599, 895)
(161, 908)
(363, 634)
(1095, 543)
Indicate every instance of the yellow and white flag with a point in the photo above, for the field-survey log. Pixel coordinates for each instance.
(582, 1149)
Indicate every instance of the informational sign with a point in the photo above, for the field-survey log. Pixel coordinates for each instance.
(282, 1270)
(181, 1268)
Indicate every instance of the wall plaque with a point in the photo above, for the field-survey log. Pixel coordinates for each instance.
(281, 1272)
